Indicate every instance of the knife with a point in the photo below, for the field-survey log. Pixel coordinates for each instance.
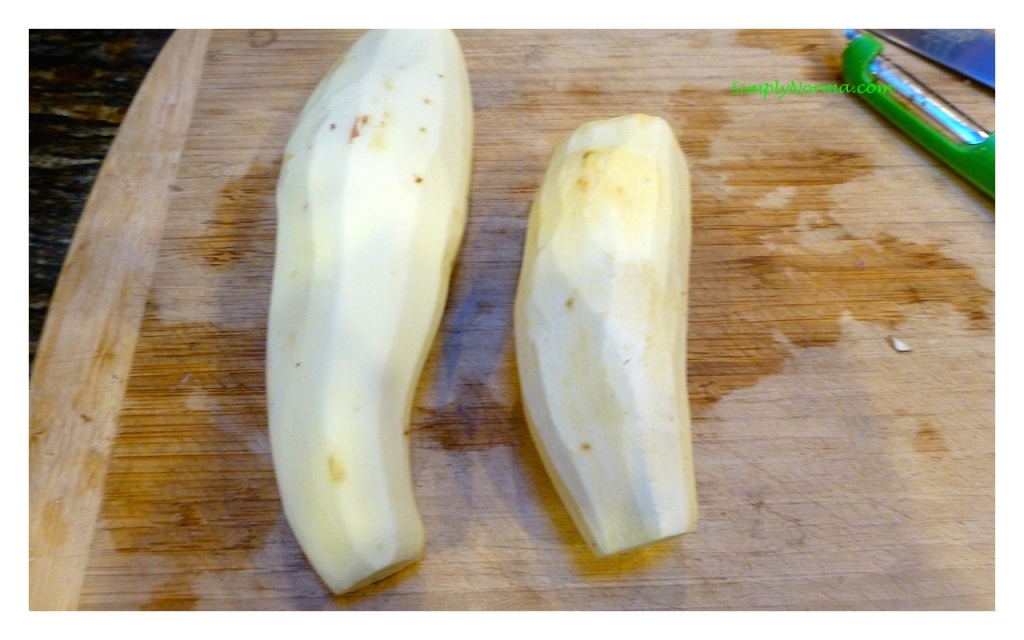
(970, 52)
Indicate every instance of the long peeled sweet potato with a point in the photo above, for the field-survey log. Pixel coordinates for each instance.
(371, 204)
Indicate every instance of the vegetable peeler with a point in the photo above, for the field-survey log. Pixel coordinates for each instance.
(959, 142)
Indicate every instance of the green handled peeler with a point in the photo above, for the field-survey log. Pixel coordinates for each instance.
(967, 149)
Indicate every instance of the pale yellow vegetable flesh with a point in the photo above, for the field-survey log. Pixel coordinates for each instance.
(371, 202)
(600, 332)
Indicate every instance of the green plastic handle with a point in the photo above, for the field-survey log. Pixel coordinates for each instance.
(975, 162)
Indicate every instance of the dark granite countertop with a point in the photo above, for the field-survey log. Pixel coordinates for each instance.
(81, 83)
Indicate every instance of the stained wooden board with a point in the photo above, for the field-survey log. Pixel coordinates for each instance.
(833, 471)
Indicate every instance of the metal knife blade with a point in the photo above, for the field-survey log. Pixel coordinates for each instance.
(971, 52)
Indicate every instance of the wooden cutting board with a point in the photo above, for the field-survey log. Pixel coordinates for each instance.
(834, 472)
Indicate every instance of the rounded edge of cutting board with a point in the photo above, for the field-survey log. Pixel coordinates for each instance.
(87, 343)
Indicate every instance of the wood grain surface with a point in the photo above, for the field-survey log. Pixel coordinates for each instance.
(85, 353)
(834, 472)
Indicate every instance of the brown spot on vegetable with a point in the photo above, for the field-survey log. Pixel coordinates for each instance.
(417, 178)
(335, 469)
(423, 129)
(333, 126)
(357, 125)
(379, 141)
(570, 302)
(426, 100)
(585, 446)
